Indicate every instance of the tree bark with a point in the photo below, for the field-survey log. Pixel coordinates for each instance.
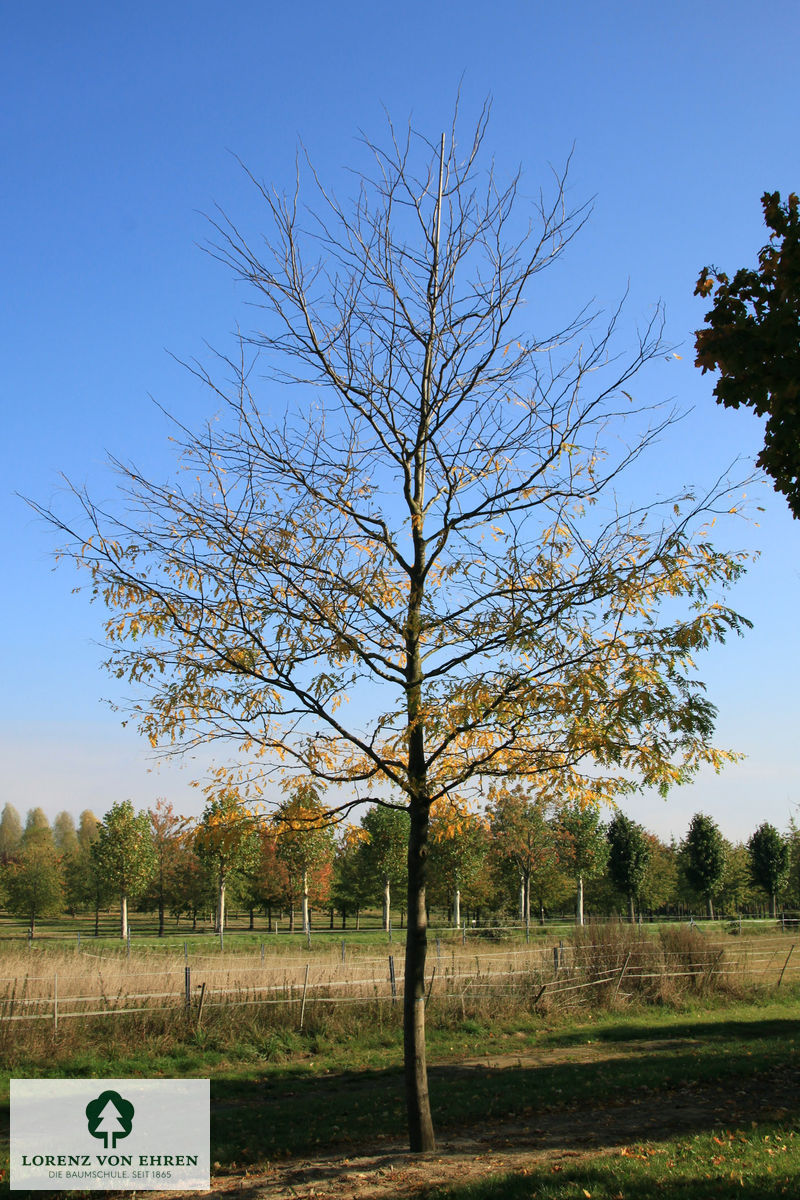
(221, 905)
(420, 1122)
(631, 909)
(387, 903)
(123, 915)
(457, 908)
(579, 907)
(306, 925)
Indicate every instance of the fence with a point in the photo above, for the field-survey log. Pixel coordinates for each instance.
(536, 972)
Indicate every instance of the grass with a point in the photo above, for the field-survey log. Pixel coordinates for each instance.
(279, 1091)
(759, 1162)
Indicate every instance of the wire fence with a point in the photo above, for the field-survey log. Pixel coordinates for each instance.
(539, 974)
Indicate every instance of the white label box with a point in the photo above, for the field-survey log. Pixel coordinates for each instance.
(110, 1134)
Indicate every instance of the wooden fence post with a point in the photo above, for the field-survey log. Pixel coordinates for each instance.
(187, 984)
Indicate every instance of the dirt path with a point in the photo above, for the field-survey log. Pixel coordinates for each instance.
(384, 1170)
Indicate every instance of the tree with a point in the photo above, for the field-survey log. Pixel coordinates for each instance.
(429, 525)
(703, 856)
(124, 856)
(769, 861)
(166, 829)
(37, 828)
(65, 835)
(458, 851)
(582, 844)
(628, 858)
(305, 846)
(32, 885)
(383, 853)
(521, 834)
(227, 841)
(752, 337)
(83, 877)
(349, 888)
(10, 832)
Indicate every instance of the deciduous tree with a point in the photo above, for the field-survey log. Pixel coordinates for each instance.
(305, 845)
(10, 832)
(425, 520)
(582, 845)
(769, 861)
(32, 885)
(752, 337)
(123, 854)
(227, 841)
(703, 857)
(384, 853)
(628, 858)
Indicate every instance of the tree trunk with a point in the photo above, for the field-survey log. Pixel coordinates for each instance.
(774, 900)
(457, 908)
(221, 905)
(579, 906)
(160, 916)
(387, 903)
(420, 1123)
(291, 917)
(631, 909)
(123, 916)
(710, 907)
(306, 922)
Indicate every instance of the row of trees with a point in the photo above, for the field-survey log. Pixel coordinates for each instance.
(520, 854)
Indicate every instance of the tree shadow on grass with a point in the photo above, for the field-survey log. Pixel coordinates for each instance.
(571, 1103)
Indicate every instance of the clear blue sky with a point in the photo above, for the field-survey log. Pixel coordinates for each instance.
(119, 126)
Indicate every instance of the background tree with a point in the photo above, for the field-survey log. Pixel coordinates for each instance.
(167, 830)
(349, 888)
(628, 858)
(384, 852)
(736, 890)
(305, 846)
(65, 834)
(752, 337)
(522, 834)
(459, 847)
(769, 862)
(582, 845)
(37, 826)
(192, 890)
(703, 858)
(123, 855)
(84, 883)
(227, 841)
(32, 884)
(264, 881)
(10, 832)
(431, 525)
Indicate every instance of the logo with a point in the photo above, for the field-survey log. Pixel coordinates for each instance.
(91, 1135)
(110, 1117)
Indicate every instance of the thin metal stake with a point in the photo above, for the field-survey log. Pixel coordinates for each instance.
(785, 965)
(55, 1002)
(303, 1003)
(187, 983)
(392, 979)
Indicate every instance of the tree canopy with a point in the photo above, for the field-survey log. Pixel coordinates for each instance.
(402, 565)
(752, 337)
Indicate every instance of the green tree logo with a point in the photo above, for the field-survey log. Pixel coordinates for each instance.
(110, 1116)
